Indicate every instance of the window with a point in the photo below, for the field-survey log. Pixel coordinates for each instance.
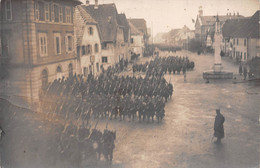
(43, 44)
(97, 65)
(60, 14)
(104, 59)
(47, 12)
(96, 48)
(59, 73)
(44, 79)
(83, 50)
(89, 49)
(68, 15)
(244, 55)
(237, 41)
(85, 71)
(70, 70)
(244, 42)
(57, 42)
(90, 31)
(78, 51)
(69, 43)
(37, 10)
(56, 13)
(104, 45)
(8, 10)
(234, 42)
(52, 18)
(132, 40)
(41, 11)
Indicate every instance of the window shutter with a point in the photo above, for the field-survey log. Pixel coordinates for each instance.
(67, 43)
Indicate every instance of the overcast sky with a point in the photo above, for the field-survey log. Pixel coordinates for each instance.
(164, 15)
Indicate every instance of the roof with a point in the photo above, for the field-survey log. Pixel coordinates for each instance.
(210, 20)
(140, 24)
(107, 17)
(249, 29)
(134, 30)
(76, 2)
(125, 24)
(86, 16)
(243, 28)
(231, 25)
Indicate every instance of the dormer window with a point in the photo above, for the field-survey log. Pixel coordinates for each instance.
(90, 31)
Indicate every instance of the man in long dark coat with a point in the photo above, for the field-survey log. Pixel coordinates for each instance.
(218, 126)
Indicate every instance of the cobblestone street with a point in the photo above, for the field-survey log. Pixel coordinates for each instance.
(184, 139)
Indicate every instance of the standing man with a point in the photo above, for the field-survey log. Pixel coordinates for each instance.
(218, 126)
(245, 72)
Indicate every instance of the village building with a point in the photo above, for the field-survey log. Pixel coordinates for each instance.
(112, 32)
(179, 37)
(137, 45)
(241, 38)
(37, 39)
(88, 43)
(205, 25)
(141, 26)
(126, 30)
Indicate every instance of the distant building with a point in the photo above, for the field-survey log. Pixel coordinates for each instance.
(179, 37)
(137, 45)
(127, 35)
(140, 24)
(241, 38)
(206, 24)
(37, 39)
(112, 32)
(88, 42)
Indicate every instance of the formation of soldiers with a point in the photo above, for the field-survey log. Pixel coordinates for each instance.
(109, 96)
(79, 144)
(162, 65)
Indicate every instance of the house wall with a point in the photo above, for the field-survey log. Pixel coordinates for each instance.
(252, 48)
(25, 63)
(138, 44)
(109, 53)
(91, 40)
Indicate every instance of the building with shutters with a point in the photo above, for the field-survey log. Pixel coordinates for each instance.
(37, 45)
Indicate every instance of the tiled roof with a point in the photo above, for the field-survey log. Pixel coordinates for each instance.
(134, 30)
(249, 29)
(140, 24)
(210, 20)
(244, 28)
(124, 23)
(107, 17)
(86, 16)
(231, 25)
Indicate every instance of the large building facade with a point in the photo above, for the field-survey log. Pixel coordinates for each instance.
(88, 43)
(241, 38)
(114, 45)
(37, 39)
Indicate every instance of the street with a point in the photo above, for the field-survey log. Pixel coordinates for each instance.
(184, 138)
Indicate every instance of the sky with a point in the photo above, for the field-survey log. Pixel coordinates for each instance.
(164, 15)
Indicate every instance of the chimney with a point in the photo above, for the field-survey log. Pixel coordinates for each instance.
(200, 11)
(230, 14)
(237, 13)
(87, 2)
(96, 4)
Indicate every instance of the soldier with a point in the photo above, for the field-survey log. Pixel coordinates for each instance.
(245, 72)
(218, 126)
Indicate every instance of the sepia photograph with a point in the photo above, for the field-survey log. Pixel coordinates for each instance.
(129, 83)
